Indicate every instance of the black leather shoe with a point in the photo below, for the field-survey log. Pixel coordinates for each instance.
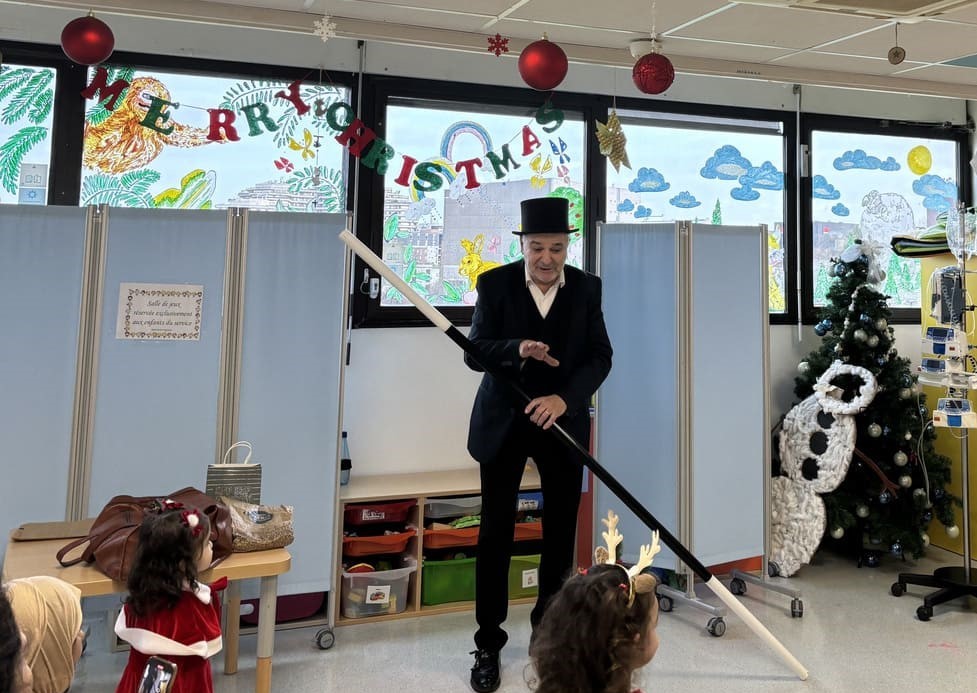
(485, 671)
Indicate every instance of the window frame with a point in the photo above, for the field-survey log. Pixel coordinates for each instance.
(67, 131)
(377, 92)
(870, 126)
(788, 119)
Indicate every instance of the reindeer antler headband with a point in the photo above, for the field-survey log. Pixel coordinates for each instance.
(638, 582)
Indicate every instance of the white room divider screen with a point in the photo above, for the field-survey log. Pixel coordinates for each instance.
(290, 369)
(41, 258)
(156, 399)
(160, 407)
(681, 419)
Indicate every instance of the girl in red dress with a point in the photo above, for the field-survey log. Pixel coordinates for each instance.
(168, 612)
(600, 627)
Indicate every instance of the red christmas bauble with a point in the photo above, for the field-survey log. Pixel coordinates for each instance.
(653, 73)
(543, 65)
(87, 40)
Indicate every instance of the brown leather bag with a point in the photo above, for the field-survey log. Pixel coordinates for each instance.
(114, 536)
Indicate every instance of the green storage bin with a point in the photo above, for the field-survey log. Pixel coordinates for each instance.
(448, 581)
(524, 576)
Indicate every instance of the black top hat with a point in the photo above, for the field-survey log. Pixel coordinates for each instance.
(545, 215)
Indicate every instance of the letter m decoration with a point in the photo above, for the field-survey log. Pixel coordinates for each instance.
(109, 93)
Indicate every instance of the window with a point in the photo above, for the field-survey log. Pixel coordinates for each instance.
(707, 170)
(443, 229)
(26, 119)
(873, 186)
(282, 161)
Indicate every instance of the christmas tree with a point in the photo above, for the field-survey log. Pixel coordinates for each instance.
(896, 482)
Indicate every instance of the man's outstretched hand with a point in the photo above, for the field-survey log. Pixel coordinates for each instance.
(529, 349)
(544, 411)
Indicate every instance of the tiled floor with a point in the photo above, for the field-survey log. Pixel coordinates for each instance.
(854, 636)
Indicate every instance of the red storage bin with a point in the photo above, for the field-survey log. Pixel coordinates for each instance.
(446, 538)
(527, 531)
(359, 514)
(384, 543)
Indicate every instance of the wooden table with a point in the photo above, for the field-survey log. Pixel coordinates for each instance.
(27, 558)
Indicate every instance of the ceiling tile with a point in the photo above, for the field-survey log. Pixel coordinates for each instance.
(926, 42)
(584, 36)
(482, 7)
(627, 15)
(722, 50)
(817, 60)
(411, 16)
(780, 27)
(945, 73)
(968, 15)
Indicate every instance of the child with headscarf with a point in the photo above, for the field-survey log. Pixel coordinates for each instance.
(48, 612)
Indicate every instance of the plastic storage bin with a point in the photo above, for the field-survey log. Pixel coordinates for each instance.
(383, 543)
(376, 594)
(448, 581)
(524, 576)
(530, 501)
(446, 538)
(437, 508)
(359, 514)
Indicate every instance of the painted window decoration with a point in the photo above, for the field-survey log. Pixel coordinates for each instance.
(26, 117)
(874, 187)
(705, 170)
(446, 220)
(288, 162)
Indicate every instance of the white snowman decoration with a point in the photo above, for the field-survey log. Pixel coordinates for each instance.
(817, 441)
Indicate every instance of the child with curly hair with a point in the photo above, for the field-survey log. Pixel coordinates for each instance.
(600, 627)
(168, 612)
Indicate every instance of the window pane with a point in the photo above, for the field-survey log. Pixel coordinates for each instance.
(706, 171)
(875, 187)
(440, 241)
(26, 116)
(284, 162)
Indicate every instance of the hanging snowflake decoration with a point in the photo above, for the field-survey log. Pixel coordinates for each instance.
(498, 45)
(325, 28)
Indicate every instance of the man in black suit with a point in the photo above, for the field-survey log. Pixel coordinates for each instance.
(541, 321)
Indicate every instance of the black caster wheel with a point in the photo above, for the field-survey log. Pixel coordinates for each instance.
(325, 638)
(898, 589)
(773, 570)
(737, 586)
(924, 613)
(716, 627)
(665, 603)
(796, 608)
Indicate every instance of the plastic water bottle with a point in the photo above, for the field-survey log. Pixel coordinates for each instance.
(345, 463)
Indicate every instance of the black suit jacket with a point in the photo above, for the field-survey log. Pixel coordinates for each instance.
(502, 320)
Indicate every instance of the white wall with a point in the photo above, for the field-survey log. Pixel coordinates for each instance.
(408, 394)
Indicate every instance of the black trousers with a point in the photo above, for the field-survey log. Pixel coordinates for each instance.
(561, 477)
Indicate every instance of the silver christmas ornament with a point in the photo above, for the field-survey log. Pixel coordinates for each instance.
(881, 324)
(905, 481)
(900, 458)
(953, 531)
(803, 367)
(905, 392)
(837, 533)
(874, 430)
(873, 341)
(862, 511)
(925, 537)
